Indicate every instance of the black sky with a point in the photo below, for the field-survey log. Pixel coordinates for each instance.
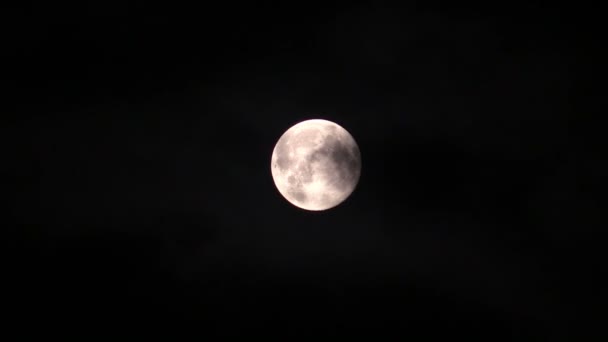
(138, 139)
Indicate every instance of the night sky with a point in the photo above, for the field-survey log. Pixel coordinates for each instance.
(137, 140)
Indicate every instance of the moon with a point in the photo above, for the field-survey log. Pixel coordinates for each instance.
(316, 164)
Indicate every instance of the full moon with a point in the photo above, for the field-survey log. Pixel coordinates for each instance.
(316, 164)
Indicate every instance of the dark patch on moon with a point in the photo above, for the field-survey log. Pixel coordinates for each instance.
(332, 130)
(325, 150)
(298, 195)
(346, 163)
(305, 172)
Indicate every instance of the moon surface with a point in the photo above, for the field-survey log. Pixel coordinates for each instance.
(316, 164)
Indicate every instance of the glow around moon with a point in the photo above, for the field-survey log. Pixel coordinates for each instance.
(316, 164)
